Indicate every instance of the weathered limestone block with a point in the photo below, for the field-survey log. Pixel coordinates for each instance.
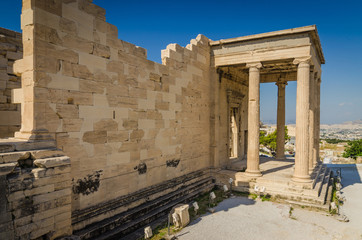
(91, 86)
(115, 66)
(117, 90)
(101, 51)
(130, 124)
(72, 125)
(81, 71)
(136, 135)
(68, 26)
(138, 93)
(76, 43)
(7, 47)
(95, 137)
(47, 34)
(117, 136)
(7, 168)
(183, 213)
(67, 111)
(3, 84)
(11, 157)
(46, 64)
(106, 125)
(93, 62)
(92, 9)
(61, 54)
(54, 7)
(148, 232)
(52, 162)
(127, 102)
(14, 55)
(79, 98)
(22, 65)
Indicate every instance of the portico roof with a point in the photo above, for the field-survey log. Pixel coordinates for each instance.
(310, 30)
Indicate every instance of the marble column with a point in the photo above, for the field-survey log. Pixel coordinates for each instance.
(317, 118)
(312, 126)
(281, 120)
(301, 170)
(253, 120)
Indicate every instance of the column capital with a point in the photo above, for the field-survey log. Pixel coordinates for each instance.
(257, 65)
(303, 60)
(281, 83)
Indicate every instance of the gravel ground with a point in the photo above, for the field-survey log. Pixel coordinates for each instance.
(243, 218)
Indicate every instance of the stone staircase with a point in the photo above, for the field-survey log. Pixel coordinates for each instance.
(131, 223)
(316, 194)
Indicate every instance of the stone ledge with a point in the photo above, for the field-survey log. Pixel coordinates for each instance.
(14, 144)
(7, 168)
(15, 156)
(52, 162)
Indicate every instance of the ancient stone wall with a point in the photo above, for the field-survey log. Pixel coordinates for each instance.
(35, 195)
(127, 123)
(10, 50)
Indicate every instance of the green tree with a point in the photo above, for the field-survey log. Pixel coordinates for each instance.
(354, 149)
(270, 140)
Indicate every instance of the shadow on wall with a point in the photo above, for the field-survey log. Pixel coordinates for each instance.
(351, 173)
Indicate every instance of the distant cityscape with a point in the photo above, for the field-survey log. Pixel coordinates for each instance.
(343, 134)
(344, 131)
(330, 152)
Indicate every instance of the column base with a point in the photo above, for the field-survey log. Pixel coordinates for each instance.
(301, 179)
(253, 173)
(34, 136)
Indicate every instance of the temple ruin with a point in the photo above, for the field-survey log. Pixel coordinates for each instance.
(110, 141)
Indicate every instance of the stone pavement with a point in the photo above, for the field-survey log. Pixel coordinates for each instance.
(243, 218)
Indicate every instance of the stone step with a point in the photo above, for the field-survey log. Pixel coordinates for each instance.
(13, 157)
(314, 194)
(161, 219)
(315, 176)
(288, 196)
(328, 197)
(323, 207)
(320, 181)
(41, 158)
(323, 191)
(140, 233)
(126, 222)
(85, 217)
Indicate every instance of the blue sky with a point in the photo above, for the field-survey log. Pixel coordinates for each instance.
(155, 24)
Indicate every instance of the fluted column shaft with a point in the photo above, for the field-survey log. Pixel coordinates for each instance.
(301, 170)
(317, 118)
(312, 126)
(281, 120)
(253, 120)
